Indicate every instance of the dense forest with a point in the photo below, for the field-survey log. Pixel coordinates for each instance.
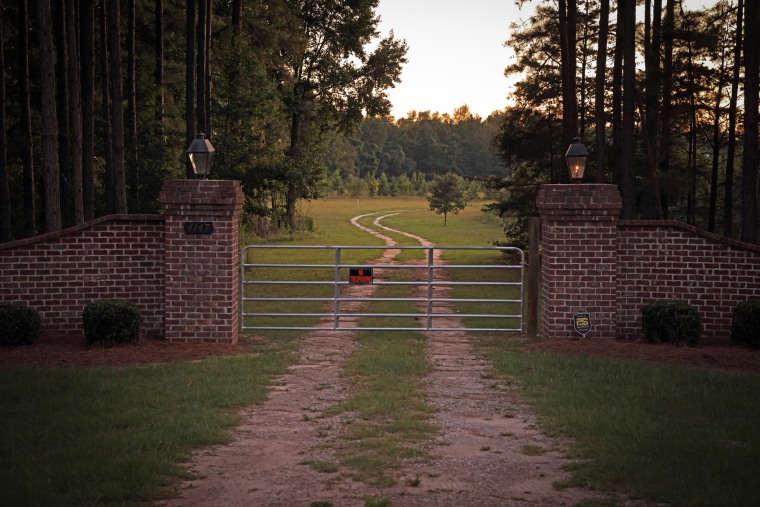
(100, 98)
(665, 99)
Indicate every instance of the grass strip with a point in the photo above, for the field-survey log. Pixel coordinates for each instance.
(84, 436)
(388, 396)
(684, 436)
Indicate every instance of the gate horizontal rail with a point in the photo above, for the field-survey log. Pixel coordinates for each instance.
(262, 285)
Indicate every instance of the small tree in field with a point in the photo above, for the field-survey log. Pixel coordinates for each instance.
(447, 195)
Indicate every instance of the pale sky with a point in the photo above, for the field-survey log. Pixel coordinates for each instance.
(456, 53)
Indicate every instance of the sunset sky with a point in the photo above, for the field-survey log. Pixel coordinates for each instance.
(456, 54)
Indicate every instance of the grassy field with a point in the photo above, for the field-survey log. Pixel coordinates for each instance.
(86, 436)
(471, 227)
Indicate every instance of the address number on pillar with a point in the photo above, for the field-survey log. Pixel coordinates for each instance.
(199, 227)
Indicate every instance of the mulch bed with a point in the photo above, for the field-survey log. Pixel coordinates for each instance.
(716, 354)
(72, 350)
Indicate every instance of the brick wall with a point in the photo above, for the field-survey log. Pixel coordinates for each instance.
(203, 279)
(578, 266)
(117, 256)
(186, 285)
(673, 260)
(593, 262)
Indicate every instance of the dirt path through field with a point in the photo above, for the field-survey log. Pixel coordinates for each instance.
(488, 451)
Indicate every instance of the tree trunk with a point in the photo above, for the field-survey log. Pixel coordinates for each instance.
(190, 83)
(160, 96)
(728, 214)
(207, 71)
(106, 111)
(49, 119)
(25, 130)
(617, 105)
(584, 63)
(64, 143)
(667, 93)
(291, 197)
(87, 28)
(567, 18)
(691, 212)
(200, 77)
(652, 93)
(749, 163)
(237, 14)
(601, 71)
(5, 194)
(716, 142)
(691, 205)
(117, 106)
(134, 177)
(628, 190)
(75, 112)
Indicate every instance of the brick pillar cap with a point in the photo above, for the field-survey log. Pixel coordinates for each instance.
(202, 192)
(574, 199)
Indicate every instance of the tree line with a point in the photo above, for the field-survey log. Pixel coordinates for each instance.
(100, 98)
(424, 143)
(667, 104)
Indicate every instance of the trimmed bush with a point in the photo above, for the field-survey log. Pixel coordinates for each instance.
(671, 321)
(19, 324)
(745, 325)
(111, 321)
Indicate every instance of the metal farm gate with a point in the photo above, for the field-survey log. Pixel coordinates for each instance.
(331, 288)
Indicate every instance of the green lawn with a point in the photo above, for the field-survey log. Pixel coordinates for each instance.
(84, 436)
(684, 436)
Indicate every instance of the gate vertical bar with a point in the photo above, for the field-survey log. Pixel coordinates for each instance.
(336, 306)
(430, 260)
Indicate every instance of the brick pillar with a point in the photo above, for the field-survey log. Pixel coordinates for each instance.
(202, 255)
(579, 257)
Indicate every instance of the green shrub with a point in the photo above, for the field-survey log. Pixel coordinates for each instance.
(745, 326)
(111, 321)
(19, 324)
(671, 321)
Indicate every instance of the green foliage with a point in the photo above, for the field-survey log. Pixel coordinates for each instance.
(447, 195)
(19, 324)
(671, 321)
(425, 142)
(745, 326)
(111, 321)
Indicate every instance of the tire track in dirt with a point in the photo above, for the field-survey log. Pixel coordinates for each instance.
(487, 453)
(266, 463)
(489, 450)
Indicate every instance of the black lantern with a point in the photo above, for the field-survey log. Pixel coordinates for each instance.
(576, 159)
(201, 154)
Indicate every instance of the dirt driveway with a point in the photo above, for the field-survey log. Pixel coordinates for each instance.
(488, 450)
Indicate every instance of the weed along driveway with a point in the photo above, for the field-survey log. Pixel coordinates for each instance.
(394, 418)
